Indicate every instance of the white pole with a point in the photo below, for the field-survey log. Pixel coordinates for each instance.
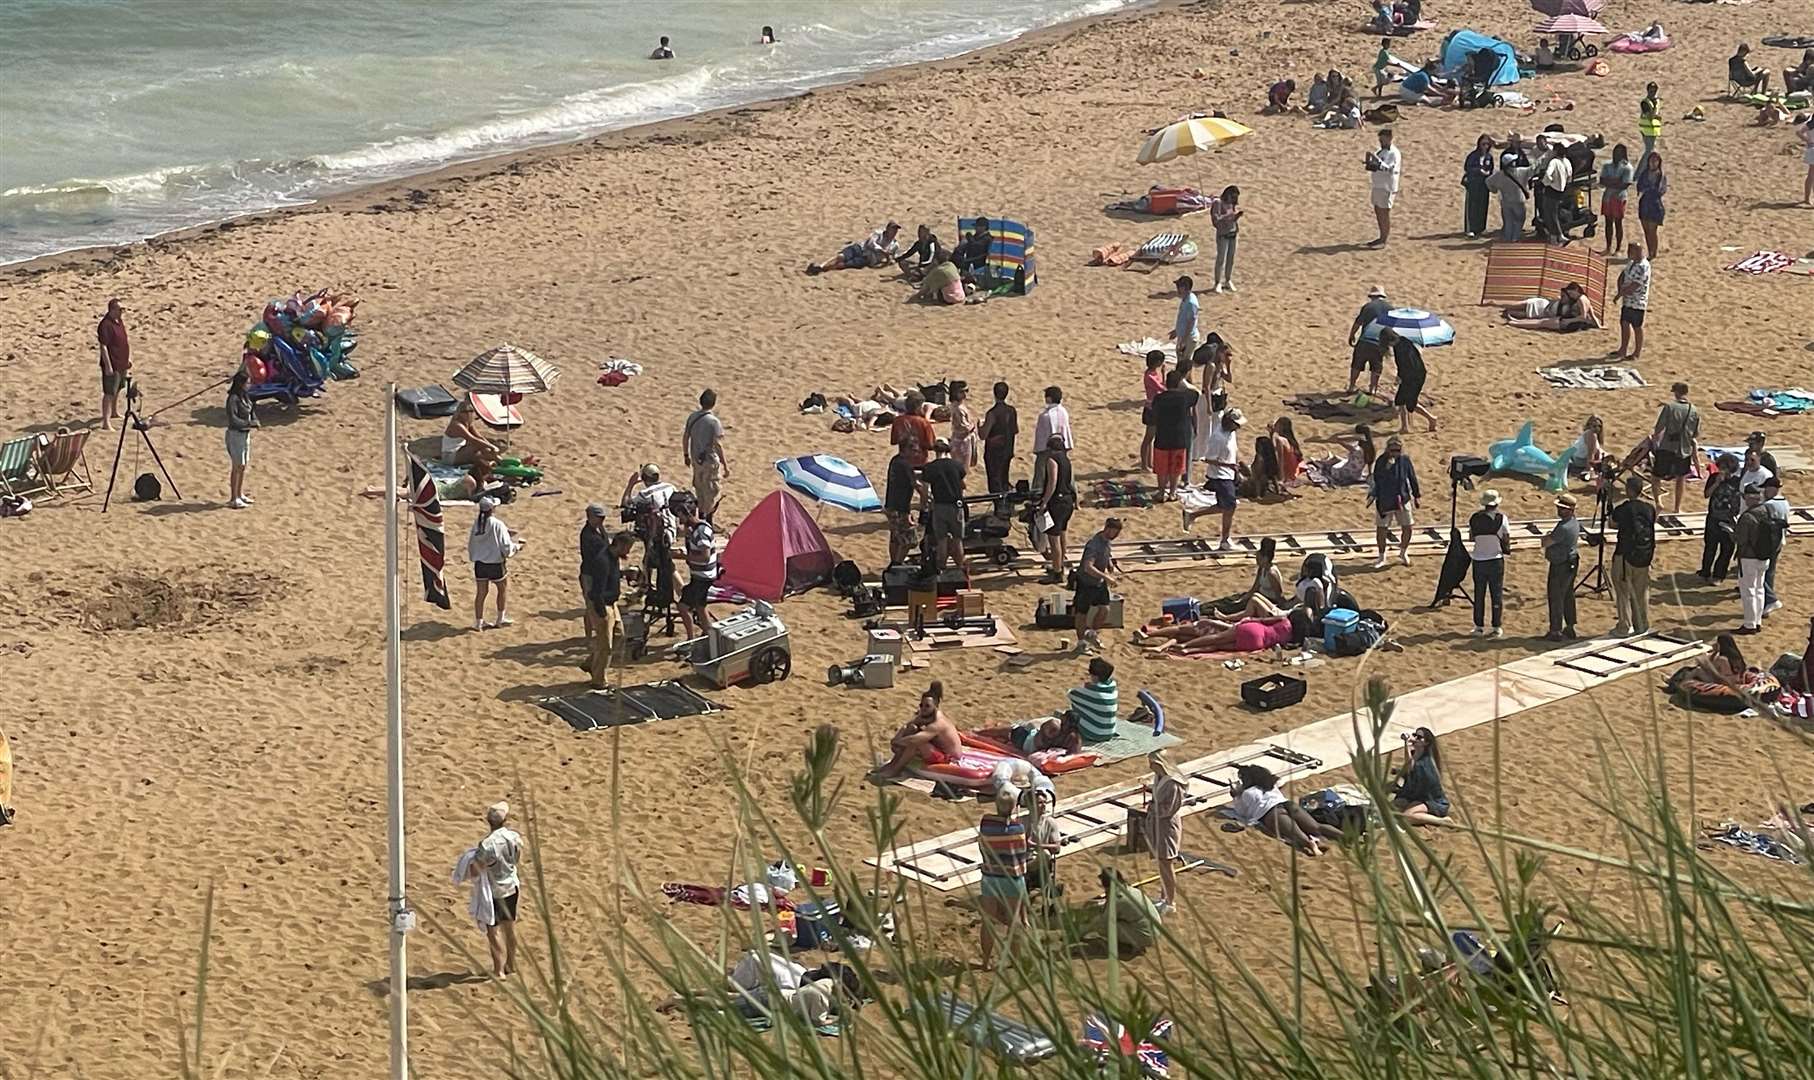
(398, 908)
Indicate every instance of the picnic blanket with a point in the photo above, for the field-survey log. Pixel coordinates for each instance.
(1792, 401)
(1602, 377)
(1756, 843)
(1148, 344)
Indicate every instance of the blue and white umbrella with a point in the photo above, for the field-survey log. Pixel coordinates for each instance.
(830, 480)
(1413, 324)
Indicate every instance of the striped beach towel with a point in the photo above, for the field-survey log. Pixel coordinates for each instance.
(431, 533)
(1763, 262)
(1517, 272)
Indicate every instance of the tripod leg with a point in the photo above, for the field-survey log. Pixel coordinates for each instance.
(146, 435)
(119, 449)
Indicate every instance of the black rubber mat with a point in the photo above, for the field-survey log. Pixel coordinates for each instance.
(594, 709)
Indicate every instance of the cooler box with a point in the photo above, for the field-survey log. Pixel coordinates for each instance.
(1338, 622)
(1182, 608)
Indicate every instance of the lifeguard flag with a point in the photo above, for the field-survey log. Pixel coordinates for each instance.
(431, 533)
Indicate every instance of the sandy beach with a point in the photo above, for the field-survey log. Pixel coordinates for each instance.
(197, 695)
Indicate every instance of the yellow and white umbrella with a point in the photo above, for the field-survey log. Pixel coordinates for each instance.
(1188, 137)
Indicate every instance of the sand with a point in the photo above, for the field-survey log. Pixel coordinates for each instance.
(200, 698)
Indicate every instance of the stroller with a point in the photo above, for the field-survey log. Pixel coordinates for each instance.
(1476, 79)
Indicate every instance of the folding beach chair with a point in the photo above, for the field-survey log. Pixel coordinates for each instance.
(21, 472)
(65, 462)
(1165, 248)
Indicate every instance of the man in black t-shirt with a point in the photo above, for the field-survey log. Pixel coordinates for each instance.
(897, 504)
(1174, 411)
(945, 520)
(1636, 523)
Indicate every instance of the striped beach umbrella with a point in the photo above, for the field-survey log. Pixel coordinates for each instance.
(1568, 7)
(507, 369)
(1571, 23)
(1188, 137)
(830, 480)
(1413, 324)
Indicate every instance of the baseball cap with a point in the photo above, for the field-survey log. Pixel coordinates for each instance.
(595, 510)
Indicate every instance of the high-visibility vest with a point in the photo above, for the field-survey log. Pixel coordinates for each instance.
(1651, 125)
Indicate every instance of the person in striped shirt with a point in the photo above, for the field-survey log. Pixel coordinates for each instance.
(1094, 705)
(1002, 840)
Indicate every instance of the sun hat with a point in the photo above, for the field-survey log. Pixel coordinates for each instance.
(1376, 293)
(1566, 501)
(1489, 498)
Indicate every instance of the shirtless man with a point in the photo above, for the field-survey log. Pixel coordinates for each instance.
(930, 729)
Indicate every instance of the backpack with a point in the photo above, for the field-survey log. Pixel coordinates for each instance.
(1369, 630)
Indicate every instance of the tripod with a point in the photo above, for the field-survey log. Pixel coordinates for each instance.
(132, 421)
(1455, 561)
(1594, 581)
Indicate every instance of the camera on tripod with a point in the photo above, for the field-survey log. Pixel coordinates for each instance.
(1464, 467)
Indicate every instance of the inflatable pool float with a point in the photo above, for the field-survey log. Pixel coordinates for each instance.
(1631, 43)
(979, 765)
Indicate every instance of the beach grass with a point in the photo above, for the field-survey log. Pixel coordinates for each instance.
(1662, 965)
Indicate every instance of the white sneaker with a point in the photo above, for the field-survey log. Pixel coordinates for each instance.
(1228, 286)
(236, 504)
(1219, 287)
(1479, 631)
(247, 499)
(1498, 631)
(1404, 558)
(1380, 563)
(1774, 605)
(478, 624)
(1164, 908)
(503, 620)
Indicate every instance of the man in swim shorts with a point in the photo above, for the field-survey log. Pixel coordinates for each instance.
(930, 737)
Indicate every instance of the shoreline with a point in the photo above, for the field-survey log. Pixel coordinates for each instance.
(421, 187)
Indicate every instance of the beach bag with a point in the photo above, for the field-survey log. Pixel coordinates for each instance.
(1355, 637)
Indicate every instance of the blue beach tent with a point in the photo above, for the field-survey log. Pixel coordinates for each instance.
(1459, 48)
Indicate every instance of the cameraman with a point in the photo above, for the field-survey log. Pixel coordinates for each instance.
(1635, 521)
(648, 508)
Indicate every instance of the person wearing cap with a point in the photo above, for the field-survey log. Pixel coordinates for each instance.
(1757, 541)
(1184, 327)
(1778, 508)
(499, 854)
(1754, 442)
(1492, 540)
(593, 542)
(1095, 582)
(1725, 502)
(1367, 354)
(606, 625)
(116, 360)
(701, 545)
(1223, 452)
(944, 481)
(489, 545)
(878, 249)
(1393, 491)
(1385, 165)
(1561, 553)
(1412, 375)
(655, 524)
(1635, 524)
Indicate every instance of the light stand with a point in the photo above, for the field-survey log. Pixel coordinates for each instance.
(132, 421)
(1594, 581)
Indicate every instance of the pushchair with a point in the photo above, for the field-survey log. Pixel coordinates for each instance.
(1476, 79)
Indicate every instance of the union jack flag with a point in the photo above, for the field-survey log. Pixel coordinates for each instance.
(1148, 1052)
(431, 533)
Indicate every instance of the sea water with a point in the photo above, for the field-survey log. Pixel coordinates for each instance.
(122, 119)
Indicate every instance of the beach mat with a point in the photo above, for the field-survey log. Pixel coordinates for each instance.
(1598, 377)
(595, 709)
(1131, 741)
(1517, 272)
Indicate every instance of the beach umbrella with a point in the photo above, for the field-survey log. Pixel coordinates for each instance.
(1571, 23)
(507, 369)
(830, 480)
(1568, 7)
(1188, 137)
(1412, 324)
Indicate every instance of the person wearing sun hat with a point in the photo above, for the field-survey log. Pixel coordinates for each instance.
(1560, 551)
(1491, 540)
(1367, 354)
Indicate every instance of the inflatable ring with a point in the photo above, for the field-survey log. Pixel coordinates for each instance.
(1152, 705)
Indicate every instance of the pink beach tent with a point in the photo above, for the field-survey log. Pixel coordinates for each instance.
(776, 551)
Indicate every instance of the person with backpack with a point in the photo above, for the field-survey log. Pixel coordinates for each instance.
(1635, 521)
(1725, 502)
(1758, 541)
(1492, 541)
(1673, 444)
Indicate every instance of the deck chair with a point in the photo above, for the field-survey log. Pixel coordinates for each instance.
(21, 472)
(65, 462)
(1162, 250)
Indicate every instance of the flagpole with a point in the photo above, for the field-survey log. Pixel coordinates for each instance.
(400, 916)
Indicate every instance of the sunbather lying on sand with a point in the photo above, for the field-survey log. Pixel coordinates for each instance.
(1263, 627)
(1258, 804)
(929, 736)
(878, 249)
(1565, 313)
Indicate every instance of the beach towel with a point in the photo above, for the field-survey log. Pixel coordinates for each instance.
(1113, 493)
(1342, 405)
(1763, 262)
(1790, 402)
(1116, 254)
(681, 892)
(616, 371)
(431, 533)
(1602, 377)
(1756, 843)
(481, 905)
(1145, 345)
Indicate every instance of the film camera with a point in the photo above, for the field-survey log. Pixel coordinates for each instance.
(1463, 468)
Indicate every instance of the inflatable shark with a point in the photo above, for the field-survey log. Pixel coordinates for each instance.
(1518, 455)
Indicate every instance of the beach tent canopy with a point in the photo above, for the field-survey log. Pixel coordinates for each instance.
(1010, 253)
(777, 550)
(1458, 50)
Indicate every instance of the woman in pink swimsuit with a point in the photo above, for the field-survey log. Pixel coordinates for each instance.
(1254, 632)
